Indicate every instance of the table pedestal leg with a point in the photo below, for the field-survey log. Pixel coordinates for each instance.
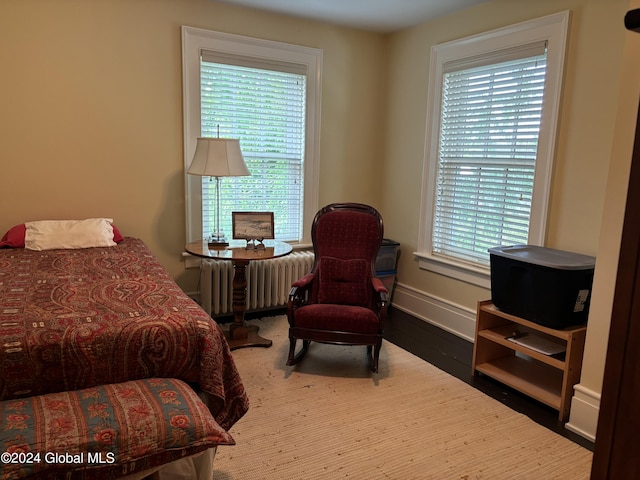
(240, 334)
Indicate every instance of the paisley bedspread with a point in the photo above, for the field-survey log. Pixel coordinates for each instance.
(73, 319)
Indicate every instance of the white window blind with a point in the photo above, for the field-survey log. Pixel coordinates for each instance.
(262, 104)
(488, 142)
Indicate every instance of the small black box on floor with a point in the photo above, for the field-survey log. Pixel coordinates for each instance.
(546, 286)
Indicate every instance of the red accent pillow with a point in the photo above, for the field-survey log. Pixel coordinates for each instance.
(117, 236)
(344, 282)
(14, 238)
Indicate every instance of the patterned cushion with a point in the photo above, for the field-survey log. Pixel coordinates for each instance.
(344, 282)
(105, 432)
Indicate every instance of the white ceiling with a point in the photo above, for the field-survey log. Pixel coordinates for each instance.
(375, 15)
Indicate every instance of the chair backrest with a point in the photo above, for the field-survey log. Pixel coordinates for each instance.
(347, 231)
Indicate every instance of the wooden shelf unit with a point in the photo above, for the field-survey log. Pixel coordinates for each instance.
(547, 378)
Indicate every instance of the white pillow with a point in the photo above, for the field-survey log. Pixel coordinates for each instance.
(50, 234)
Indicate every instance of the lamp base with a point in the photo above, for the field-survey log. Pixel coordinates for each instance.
(217, 240)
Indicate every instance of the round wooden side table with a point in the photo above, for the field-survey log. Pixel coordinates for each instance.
(240, 334)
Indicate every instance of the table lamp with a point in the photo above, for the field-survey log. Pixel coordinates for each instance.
(218, 157)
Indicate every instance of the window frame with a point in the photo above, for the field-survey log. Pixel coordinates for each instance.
(194, 40)
(553, 29)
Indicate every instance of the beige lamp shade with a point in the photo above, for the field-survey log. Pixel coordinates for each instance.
(218, 157)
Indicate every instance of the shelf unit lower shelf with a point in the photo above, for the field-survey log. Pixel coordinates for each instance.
(535, 380)
(548, 379)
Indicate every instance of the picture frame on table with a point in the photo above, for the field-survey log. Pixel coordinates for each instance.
(252, 225)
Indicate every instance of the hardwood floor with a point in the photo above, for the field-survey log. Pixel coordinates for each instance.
(453, 355)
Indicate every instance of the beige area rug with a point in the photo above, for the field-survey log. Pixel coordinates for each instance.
(329, 418)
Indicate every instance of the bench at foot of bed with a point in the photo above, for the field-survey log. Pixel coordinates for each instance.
(105, 432)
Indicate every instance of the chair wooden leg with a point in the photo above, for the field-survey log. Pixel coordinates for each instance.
(292, 349)
(293, 358)
(375, 357)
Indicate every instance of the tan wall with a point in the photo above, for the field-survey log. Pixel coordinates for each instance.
(604, 283)
(91, 111)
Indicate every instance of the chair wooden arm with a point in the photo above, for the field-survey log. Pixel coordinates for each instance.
(300, 287)
(381, 297)
(378, 286)
(299, 293)
(304, 281)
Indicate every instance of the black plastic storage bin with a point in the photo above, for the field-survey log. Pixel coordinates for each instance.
(386, 264)
(546, 286)
(387, 258)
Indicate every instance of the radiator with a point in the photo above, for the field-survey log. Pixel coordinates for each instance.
(268, 282)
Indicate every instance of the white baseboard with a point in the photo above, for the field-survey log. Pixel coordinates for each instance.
(585, 407)
(456, 319)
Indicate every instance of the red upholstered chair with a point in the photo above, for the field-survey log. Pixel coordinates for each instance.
(341, 301)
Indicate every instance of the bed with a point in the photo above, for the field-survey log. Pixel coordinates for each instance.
(76, 319)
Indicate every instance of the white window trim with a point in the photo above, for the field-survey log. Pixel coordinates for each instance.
(553, 29)
(196, 39)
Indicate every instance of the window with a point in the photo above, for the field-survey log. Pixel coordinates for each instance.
(493, 103)
(267, 95)
(487, 153)
(265, 110)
